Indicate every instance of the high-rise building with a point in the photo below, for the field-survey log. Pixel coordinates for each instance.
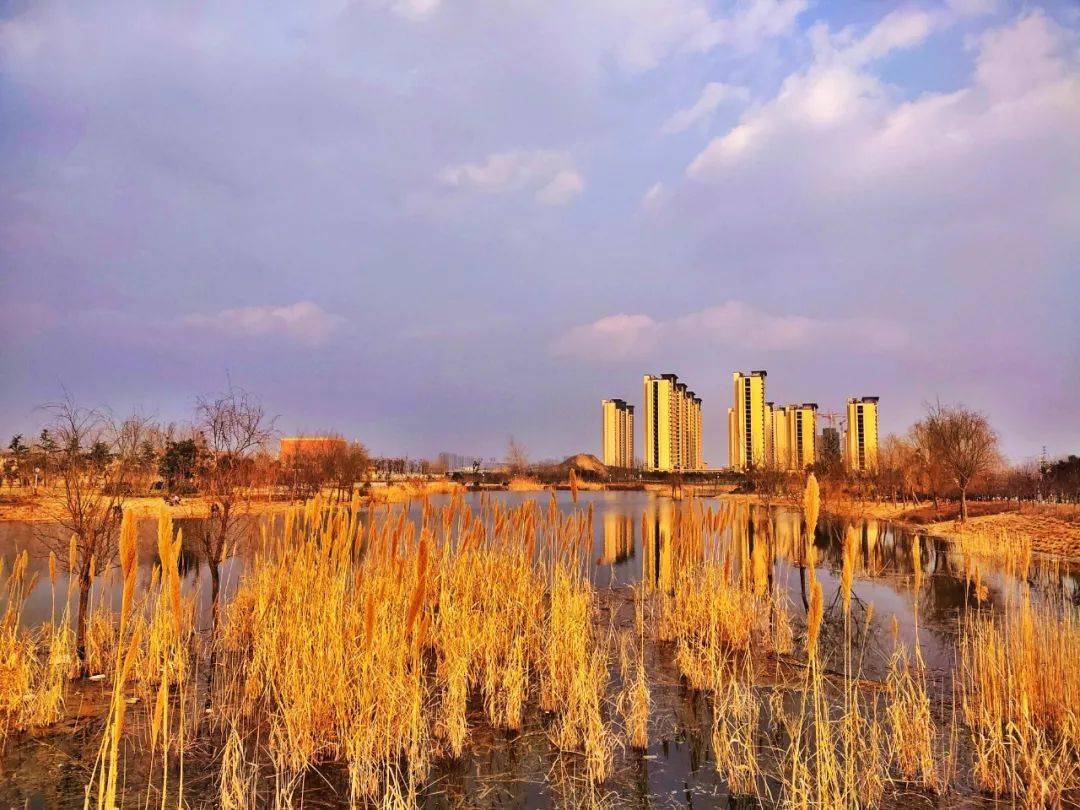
(781, 438)
(793, 436)
(617, 433)
(696, 461)
(672, 424)
(770, 435)
(746, 421)
(861, 445)
(455, 461)
(802, 431)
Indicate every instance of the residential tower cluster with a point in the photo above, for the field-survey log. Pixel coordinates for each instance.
(785, 437)
(672, 424)
(761, 434)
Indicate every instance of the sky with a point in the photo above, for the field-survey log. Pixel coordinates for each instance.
(434, 224)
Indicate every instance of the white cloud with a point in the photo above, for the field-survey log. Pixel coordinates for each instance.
(714, 94)
(614, 337)
(900, 29)
(654, 197)
(733, 325)
(641, 34)
(838, 123)
(754, 22)
(550, 174)
(415, 10)
(563, 187)
(303, 321)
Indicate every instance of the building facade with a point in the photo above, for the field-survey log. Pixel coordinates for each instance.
(672, 424)
(794, 442)
(802, 431)
(746, 421)
(780, 455)
(617, 433)
(695, 461)
(861, 445)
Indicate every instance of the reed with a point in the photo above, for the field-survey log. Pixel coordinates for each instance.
(912, 733)
(1019, 684)
(635, 698)
(736, 714)
(380, 644)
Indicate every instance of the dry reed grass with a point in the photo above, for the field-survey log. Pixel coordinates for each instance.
(1019, 684)
(380, 644)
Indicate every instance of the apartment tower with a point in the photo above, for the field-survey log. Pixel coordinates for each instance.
(780, 458)
(617, 433)
(770, 434)
(695, 460)
(746, 421)
(861, 445)
(794, 436)
(672, 424)
(802, 432)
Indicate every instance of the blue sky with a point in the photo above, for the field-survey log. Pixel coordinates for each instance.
(431, 224)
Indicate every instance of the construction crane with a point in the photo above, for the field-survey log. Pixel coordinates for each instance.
(833, 418)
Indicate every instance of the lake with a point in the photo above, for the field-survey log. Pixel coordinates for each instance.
(632, 534)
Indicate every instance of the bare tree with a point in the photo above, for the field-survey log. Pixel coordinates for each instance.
(964, 445)
(517, 460)
(328, 461)
(233, 427)
(770, 483)
(927, 461)
(96, 461)
(897, 468)
(344, 465)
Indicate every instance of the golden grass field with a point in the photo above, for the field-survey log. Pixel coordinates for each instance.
(363, 644)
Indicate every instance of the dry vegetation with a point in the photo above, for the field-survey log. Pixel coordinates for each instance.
(363, 641)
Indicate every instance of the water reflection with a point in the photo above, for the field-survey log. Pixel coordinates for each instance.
(658, 527)
(640, 537)
(618, 538)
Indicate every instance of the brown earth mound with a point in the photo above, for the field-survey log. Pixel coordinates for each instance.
(585, 463)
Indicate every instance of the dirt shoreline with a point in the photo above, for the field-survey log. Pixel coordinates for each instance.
(46, 508)
(1050, 528)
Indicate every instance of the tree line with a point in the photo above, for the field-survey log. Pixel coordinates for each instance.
(951, 453)
(90, 462)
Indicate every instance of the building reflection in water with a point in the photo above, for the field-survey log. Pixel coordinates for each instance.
(618, 538)
(672, 540)
(657, 531)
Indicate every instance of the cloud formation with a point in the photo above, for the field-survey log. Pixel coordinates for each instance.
(714, 94)
(303, 321)
(549, 174)
(730, 325)
(643, 34)
(844, 124)
(422, 166)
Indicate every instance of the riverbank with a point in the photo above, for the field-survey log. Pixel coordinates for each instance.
(1045, 528)
(49, 507)
(1048, 528)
